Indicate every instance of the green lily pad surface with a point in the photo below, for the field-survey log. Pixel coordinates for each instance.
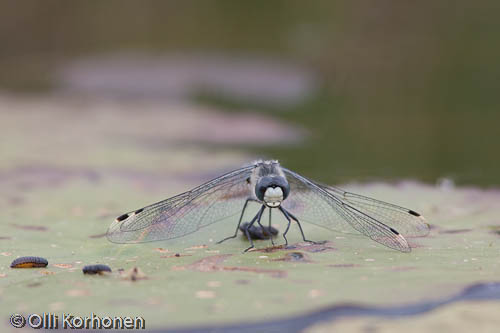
(67, 175)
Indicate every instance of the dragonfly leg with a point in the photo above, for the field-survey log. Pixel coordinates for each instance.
(269, 229)
(239, 222)
(289, 215)
(260, 224)
(256, 218)
(287, 227)
(272, 241)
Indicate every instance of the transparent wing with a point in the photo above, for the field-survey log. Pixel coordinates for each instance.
(185, 213)
(326, 208)
(406, 221)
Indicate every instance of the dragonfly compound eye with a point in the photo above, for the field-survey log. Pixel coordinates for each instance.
(271, 182)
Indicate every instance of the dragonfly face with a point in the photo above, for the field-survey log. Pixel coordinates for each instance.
(272, 190)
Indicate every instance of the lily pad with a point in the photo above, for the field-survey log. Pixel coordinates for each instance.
(60, 209)
(207, 283)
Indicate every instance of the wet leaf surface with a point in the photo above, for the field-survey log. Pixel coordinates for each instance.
(64, 212)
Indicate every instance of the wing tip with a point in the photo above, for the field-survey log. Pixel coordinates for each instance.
(110, 235)
(114, 230)
(405, 247)
(117, 237)
(426, 229)
(406, 250)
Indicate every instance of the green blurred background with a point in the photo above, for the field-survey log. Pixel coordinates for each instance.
(402, 89)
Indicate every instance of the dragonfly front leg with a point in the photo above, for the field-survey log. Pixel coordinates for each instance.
(269, 230)
(289, 215)
(270, 234)
(256, 218)
(239, 222)
(287, 227)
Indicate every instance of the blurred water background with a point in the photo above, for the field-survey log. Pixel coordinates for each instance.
(381, 90)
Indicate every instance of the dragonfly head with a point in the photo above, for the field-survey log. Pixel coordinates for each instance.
(272, 190)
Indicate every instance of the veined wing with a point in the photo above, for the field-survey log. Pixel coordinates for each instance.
(185, 213)
(406, 221)
(318, 205)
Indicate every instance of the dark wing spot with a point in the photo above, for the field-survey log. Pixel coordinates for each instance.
(394, 231)
(122, 217)
(139, 210)
(414, 213)
(248, 180)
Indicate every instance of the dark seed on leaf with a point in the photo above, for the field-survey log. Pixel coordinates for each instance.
(122, 217)
(96, 269)
(29, 262)
(139, 210)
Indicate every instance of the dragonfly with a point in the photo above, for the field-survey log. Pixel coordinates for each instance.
(275, 188)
